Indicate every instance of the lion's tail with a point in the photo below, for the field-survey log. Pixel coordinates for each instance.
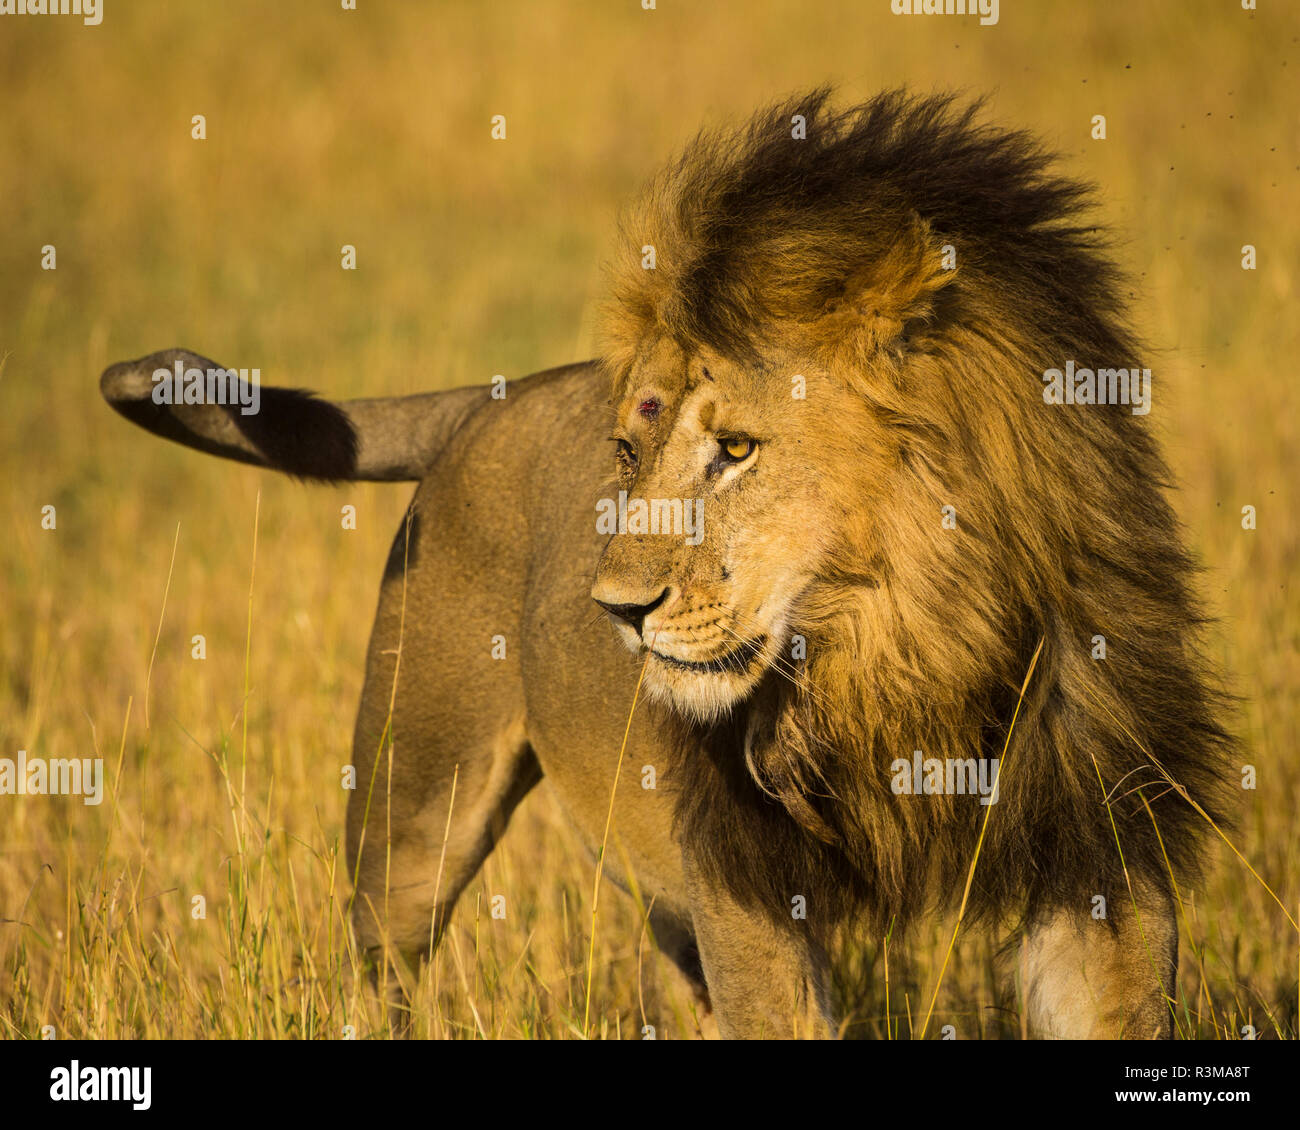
(392, 439)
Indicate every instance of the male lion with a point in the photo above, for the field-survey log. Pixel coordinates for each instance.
(840, 350)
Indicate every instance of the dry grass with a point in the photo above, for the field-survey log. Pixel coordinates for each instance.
(328, 127)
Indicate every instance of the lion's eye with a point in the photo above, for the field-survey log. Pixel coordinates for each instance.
(737, 449)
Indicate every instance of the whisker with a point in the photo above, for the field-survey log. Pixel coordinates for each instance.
(790, 671)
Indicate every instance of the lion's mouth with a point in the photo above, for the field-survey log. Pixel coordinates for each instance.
(735, 662)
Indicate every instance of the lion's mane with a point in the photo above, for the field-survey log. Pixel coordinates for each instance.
(920, 637)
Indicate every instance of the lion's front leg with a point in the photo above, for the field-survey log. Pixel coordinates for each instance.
(766, 979)
(1092, 979)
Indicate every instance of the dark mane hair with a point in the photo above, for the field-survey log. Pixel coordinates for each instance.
(920, 637)
(737, 205)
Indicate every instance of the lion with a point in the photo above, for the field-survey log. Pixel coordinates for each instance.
(828, 339)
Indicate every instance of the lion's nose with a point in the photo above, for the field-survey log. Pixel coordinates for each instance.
(633, 614)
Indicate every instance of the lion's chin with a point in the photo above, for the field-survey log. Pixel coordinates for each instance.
(706, 691)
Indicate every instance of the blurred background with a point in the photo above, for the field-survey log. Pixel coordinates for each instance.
(327, 127)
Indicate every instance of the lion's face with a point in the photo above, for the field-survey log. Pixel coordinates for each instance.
(757, 464)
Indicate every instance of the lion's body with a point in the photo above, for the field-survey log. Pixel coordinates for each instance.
(895, 525)
(514, 563)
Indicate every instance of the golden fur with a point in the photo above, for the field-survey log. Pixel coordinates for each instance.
(823, 258)
(839, 354)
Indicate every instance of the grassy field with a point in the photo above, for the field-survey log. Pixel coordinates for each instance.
(371, 128)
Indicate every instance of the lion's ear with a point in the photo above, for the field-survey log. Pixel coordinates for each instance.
(896, 288)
